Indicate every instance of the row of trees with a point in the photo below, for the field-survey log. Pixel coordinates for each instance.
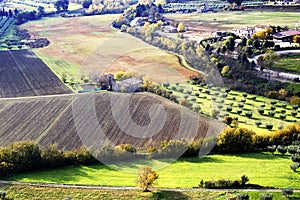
(23, 156)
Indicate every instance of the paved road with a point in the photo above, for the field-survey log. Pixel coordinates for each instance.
(133, 188)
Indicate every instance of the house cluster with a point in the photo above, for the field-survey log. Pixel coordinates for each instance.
(247, 32)
(107, 82)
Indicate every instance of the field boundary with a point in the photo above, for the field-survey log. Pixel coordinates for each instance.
(52, 185)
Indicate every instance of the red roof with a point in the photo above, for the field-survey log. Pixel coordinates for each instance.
(286, 34)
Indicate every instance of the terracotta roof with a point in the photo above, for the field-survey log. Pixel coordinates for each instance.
(286, 34)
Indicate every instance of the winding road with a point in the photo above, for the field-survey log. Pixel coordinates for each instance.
(277, 75)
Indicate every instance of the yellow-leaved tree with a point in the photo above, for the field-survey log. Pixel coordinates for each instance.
(180, 27)
(146, 178)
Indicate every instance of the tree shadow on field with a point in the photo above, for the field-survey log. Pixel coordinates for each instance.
(262, 155)
(168, 195)
(206, 159)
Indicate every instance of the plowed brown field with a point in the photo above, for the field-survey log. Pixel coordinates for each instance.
(22, 73)
(51, 119)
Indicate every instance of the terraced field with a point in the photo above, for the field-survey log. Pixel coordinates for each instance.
(58, 119)
(24, 74)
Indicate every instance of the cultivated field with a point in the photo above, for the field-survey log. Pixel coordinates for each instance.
(49, 120)
(24, 74)
(95, 47)
(203, 24)
(237, 104)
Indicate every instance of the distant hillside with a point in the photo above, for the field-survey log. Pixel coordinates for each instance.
(50, 119)
(22, 73)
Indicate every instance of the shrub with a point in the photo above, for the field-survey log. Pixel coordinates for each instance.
(224, 183)
(52, 157)
(227, 90)
(260, 111)
(244, 94)
(282, 116)
(2, 194)
(294, 167)
(220, 106)
(292, 149)
(296, 158)
(273, 102)
(197, 94)
(240, 105)
(125, 148)
(193, 99)
(295, 107)
(271, 113)
(228, 120)
(167, 84)
(284, 105)
(229, 108)
(244, 196)
(262, 105)
(258, 123)
(283, 111)
(271, 149)
(189, 92)
(282, 149)
(25, 155)
(249, 114)
(272, 108)
(233, 98)
(224, 95)
(146, 178)
(213, 98)
(269, 126)
(294, 113)
(171, 148)
(238, 111)
(253, 97)
(266, 196)
(243, 100)
(287, 191)
(236, 140)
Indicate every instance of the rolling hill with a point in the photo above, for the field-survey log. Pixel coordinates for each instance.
(95, 118)
(22, 73)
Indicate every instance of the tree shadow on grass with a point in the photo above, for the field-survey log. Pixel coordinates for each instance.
(206, 159)
(263, 155)
(168, 195)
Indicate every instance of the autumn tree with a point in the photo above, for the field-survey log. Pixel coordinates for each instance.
(146, 178)
(180, 27)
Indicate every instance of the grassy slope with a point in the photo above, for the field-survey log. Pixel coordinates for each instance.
(289, 64)
(261, 168)
(29, 192)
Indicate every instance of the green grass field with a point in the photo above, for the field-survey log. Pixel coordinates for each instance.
(289, 64)
(29, 192)
(261, 168)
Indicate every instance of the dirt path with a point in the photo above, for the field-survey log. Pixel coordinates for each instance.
(51, 185)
